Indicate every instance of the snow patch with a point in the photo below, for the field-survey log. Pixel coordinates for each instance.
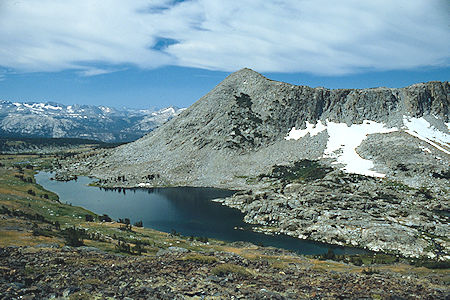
(343, 141)
(312, 129)
(425, 149)
(423, 130)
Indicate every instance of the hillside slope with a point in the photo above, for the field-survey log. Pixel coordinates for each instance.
(245, 125)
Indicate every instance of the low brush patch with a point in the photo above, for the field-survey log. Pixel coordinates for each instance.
(225, 269)
(199, 258)
(303, 170)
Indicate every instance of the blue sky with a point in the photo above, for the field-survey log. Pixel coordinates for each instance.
(157, 53)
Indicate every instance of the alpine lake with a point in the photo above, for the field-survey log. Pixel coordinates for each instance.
(187, 210)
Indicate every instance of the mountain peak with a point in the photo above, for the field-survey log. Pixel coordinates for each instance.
(245, 74)
(246, 71)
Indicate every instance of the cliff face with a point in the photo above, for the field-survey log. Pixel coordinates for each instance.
(248, 111)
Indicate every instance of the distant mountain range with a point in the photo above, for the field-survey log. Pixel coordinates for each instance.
(102, 123)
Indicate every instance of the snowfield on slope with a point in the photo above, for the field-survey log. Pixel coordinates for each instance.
(343, 140)
(422, 129)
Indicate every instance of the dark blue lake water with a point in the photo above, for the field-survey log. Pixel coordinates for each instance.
(186, 210)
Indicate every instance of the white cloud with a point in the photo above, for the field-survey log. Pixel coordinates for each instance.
(316, 36)
(95, 71)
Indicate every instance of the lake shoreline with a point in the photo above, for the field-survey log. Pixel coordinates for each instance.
(259, 238)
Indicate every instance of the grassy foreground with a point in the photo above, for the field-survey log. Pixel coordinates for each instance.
(33, 219)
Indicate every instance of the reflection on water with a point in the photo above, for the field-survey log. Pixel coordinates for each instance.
(186, 210)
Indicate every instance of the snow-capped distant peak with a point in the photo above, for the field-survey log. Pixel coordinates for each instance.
(170, 110)
(42, 106)
(105, 109)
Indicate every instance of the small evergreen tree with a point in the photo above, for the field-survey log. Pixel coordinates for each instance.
(73, 236)
(138, 249)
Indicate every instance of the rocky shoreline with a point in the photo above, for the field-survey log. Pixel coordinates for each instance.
(344, 209)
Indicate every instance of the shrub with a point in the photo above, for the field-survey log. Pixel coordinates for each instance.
(127, 223)
(243, 100)
(73, 236)
(122, 246)
(202, 239)
(104, 218)
(369, 271)
(138, 249)
(173, 232)
(356, 260)
(442, 175)
(42, 232)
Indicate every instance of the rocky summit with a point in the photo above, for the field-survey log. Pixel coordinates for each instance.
(297, 147)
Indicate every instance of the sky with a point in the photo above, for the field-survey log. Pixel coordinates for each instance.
(157, 53)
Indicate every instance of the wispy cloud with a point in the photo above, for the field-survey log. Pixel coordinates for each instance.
(320, 36)
(96, 71)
